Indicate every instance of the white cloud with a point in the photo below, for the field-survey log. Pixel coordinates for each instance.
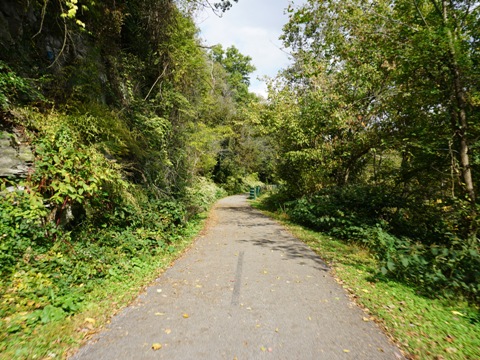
(254, 27)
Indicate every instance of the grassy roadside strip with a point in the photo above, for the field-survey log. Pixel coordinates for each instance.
(424, 328)
(60, 339)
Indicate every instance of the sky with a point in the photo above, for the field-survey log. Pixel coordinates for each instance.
(254, 27)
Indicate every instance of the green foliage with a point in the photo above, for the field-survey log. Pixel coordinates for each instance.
(238, 68)
(202, 194)
(14, 88)
(20, 223)
(126, 135)
(376, 134)
(390, 230)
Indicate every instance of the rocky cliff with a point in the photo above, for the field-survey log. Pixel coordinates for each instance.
(16, 157)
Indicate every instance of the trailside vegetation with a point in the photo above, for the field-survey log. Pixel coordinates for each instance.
(376, 123)
(129, 119)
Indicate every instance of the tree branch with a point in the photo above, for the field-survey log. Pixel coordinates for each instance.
(44, 9)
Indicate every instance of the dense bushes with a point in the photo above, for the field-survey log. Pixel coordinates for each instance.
(432, 259)
(77, 221)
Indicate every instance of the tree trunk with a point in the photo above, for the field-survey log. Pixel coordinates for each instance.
(461, 124)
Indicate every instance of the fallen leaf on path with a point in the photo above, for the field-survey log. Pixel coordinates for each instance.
(168, 331)
(159, 290)
(186, 316)
(276, 330)
(263, 348)
(310, 318)
(159, 314)
(346, 351)
(156, 346)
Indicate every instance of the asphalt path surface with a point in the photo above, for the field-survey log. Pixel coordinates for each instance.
(247, 289)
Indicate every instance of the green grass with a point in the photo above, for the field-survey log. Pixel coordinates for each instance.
(424, 328)
(59, 339)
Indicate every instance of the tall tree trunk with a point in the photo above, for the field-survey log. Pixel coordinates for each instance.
(461, 123)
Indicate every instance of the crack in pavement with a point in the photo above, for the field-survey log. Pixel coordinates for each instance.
(238, 279)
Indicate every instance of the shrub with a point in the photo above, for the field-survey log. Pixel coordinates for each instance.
(411, 240)
(201, 195)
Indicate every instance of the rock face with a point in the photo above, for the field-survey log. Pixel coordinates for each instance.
(14, 15)
(16, 157)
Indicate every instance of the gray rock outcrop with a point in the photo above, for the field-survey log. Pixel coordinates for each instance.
(16, 156)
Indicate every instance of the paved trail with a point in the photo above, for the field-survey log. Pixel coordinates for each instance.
(250, 291)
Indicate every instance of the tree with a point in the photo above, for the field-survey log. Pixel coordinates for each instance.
(393, 81)
(238, 68)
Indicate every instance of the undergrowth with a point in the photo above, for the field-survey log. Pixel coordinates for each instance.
(100, 282)
(411, 240)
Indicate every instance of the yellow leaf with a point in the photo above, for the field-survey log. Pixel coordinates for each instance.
(263, 348)
(159, 314)
(80, 23)
(457, 313)
(276, 330)
(186, 316)
(346, 351)
(156, 346)
(168, 331)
